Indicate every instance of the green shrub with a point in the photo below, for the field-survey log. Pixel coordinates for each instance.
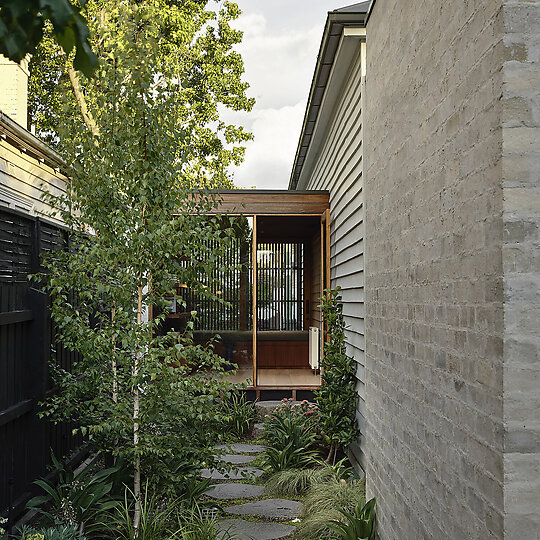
(62, 532)
(239, 414)
(304, 414)
(74, 500)
(290, 444)
(337, 397)
(322, 503)
(357, 525)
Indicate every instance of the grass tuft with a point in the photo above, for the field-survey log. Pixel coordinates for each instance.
(321, 504)
(296, 482)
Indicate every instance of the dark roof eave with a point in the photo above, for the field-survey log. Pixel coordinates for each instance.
(335, 22)
(22, 139)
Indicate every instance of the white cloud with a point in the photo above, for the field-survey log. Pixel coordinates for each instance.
(269, 157)
(279, 67)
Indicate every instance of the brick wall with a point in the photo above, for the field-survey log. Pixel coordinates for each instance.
(14, 89)
(521, 261)
(434, 287)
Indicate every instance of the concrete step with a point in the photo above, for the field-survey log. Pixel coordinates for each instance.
(236, 459)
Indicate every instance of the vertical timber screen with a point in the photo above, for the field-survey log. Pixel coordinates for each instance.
(280, 286)
(26, 345)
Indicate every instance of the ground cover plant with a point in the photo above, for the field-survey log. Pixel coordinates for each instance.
(297, 482)
(61, 532)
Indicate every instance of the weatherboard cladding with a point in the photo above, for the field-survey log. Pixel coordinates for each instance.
(338, 168)
(353, 15)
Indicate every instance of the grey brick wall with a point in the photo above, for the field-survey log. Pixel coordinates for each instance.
(434, 268)
(521, 262)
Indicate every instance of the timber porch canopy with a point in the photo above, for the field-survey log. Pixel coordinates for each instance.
(278, 267)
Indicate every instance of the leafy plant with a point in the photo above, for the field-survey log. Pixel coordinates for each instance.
(66, 532)
(290, 445)
(157, 518)
(196, 526)
(193, 489)
(239, 414)
(337, 397)
(357, 525)
(287, 417)
(75, 501)
(22, 23)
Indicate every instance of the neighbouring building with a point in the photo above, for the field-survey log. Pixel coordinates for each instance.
(28, 168)
(423, 122)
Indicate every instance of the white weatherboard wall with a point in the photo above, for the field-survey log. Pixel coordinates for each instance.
(338, 169)
(24, 180)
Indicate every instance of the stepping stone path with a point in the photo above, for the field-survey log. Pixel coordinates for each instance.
(280, 509)
(258, 430)
(236, 459)
(238, 529)
(236, 491)
(241, 448)
(271, 509)
(242, 473)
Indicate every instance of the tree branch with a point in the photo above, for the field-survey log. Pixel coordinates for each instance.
(81, 101)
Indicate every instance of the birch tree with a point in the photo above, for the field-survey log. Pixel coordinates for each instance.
(137, 138)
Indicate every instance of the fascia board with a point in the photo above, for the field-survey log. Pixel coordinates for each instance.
(346, 53)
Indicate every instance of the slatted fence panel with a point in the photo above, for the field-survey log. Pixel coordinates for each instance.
(26, 338)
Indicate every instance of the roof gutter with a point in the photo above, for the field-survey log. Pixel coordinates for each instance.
(370, 10)
(330, 44)
(22, 139)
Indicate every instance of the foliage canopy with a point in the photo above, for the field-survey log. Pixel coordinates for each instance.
(136, 139)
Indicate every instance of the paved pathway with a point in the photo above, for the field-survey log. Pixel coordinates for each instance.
(271, 509)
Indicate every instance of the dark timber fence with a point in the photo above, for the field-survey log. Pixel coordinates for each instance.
(26, 345)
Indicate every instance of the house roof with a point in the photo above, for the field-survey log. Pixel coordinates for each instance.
(349, 16)
(22, 139)
(360, 7)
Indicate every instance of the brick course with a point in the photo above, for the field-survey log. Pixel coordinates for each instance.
(434, 266)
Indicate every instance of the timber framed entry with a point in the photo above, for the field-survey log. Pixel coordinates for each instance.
(272, 280)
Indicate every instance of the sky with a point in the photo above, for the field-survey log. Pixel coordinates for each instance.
(280, 46)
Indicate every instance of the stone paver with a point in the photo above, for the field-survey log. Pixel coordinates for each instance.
(274, 509)
(236, 491)
(236, 459)
(281, 509)
(238, 529)
(242, 473)
(258, 430)
(241, 448)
